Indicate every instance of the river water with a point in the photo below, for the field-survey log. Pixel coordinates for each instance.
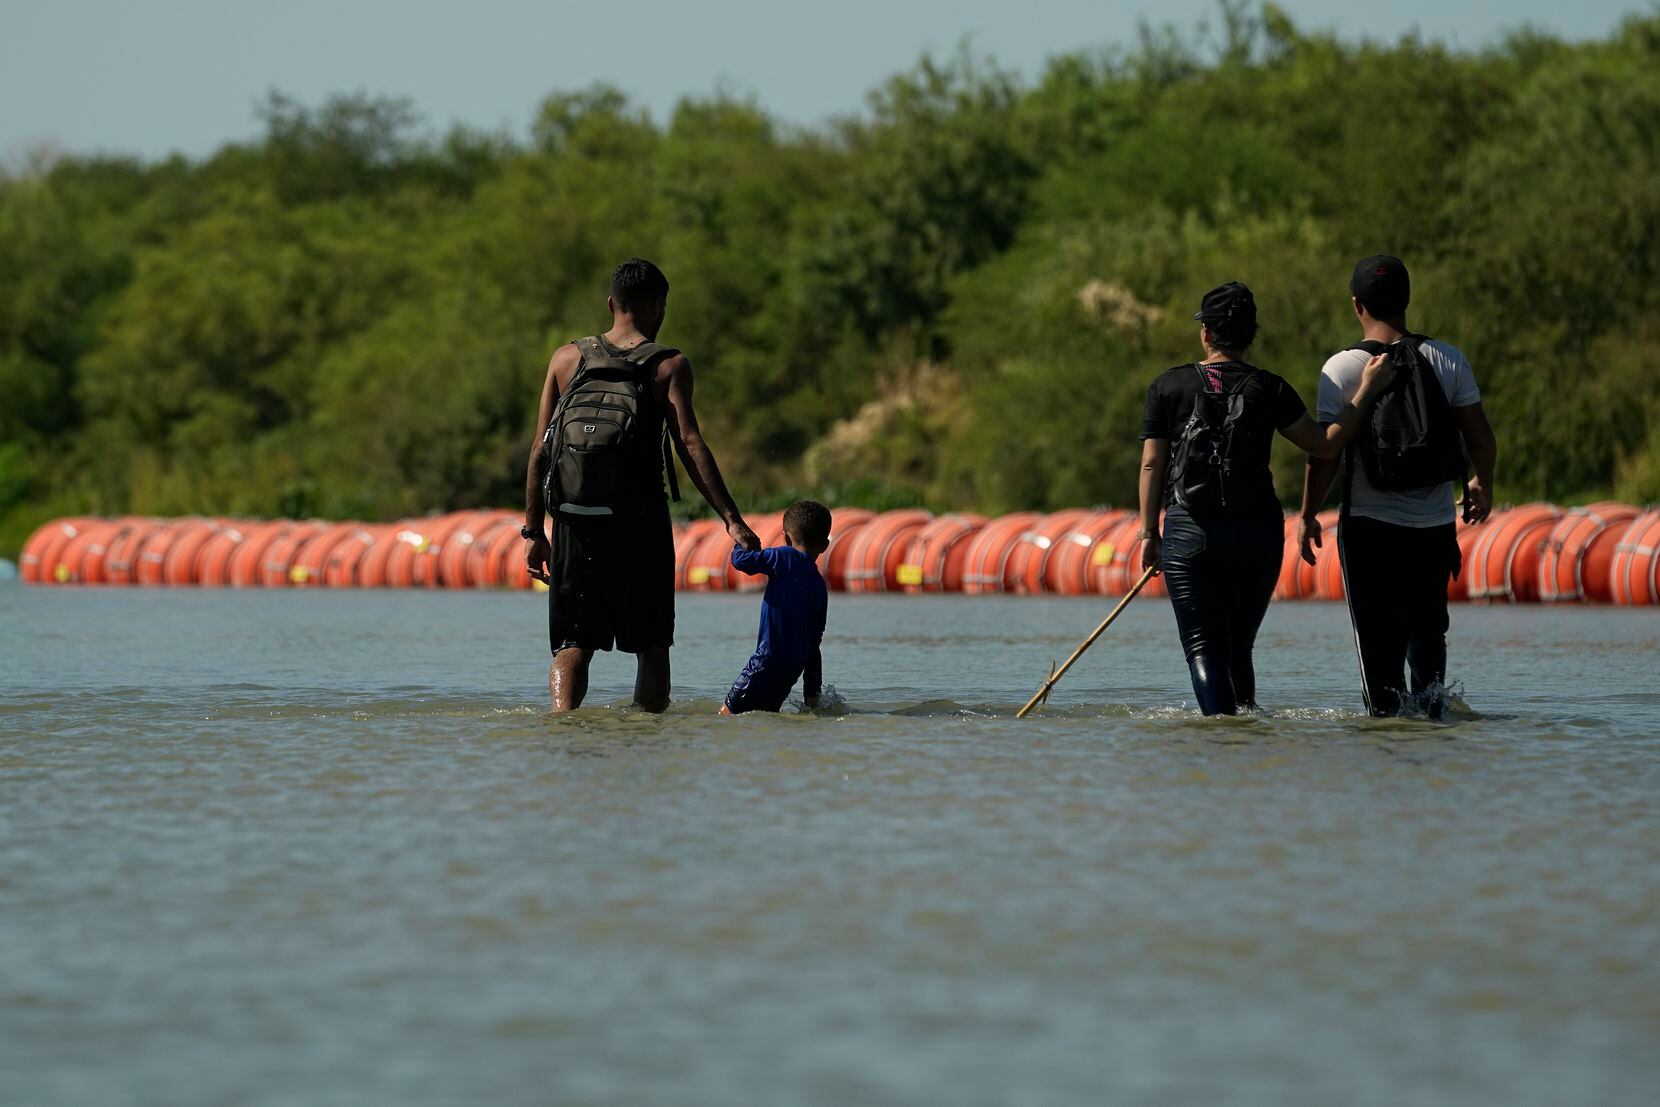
(326, 848)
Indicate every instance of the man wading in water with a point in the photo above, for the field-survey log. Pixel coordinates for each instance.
(610, 407)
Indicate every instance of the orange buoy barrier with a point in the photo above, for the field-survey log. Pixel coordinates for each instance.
(311, 557)
(1458, 588)
(1504, 564)
(121, 559)
(246, 568)
(82, 559)
(1115, 564)
(934, 560)
(770, 530)
(424, 570)
(213, 560)
(511, 569)
(340, 566)
(407, 543)
(687, 538)
(709, 566)
(880, 547)
(1634, 570)
(279, 557)
(178, 564)
(845, 525)
(371, 566)
(1032, 547)
(1288, 586)
(43, 552)
(455, 550)
(1308, 575)
(1579, 552)
(1327, 569)
(149, 570)
(482, 568)
(1068, 569)
(987, 559)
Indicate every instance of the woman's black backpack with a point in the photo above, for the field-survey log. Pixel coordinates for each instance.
(1410, 440)
(1207, 470)
(607, 445)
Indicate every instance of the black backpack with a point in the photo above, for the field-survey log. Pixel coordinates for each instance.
(598, 456)
(1410, 440)
(1206, 472)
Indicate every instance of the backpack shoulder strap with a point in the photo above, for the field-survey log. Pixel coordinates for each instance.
(1371, 345)
(647, 353)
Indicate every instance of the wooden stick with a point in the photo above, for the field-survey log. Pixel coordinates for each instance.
(1043, 692)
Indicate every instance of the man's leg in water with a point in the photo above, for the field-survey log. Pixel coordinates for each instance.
(651, 679)
(568, 678)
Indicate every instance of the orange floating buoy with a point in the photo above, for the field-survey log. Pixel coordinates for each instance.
(1634, 570)
(121, 559)
(213, 560)
(934, 560)
(708, 568)
(482, 567)
(409, 541)
(454, 552)
(246, 568)
(424, 567)
(340, 566)
(1458, 588)
(1033, 547)
(277, 564)
(880, 548)
(687, 538)
(1288, 586)
(1579, 551)
(1307, 575)
(1327, 569)
(82, 559)
(1068, 570)
(987, 557)
(1504, 564)
(770, 530)
(512, 572)
(178, 564)
(311, 559)
(845, 525)
(42, 559)
(150, 568)
(371, 566)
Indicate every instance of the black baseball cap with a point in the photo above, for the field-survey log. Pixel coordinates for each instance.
(1382, 280)
(1228, 303)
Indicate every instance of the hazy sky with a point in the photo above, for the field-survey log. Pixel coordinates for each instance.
(154, 76)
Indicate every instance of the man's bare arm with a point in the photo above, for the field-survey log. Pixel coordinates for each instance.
(1155, 459)
(1483, 447)
(1318, 478)
(695, 453)
(535, 551)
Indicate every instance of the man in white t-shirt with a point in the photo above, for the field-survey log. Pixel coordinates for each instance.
(1398, 548)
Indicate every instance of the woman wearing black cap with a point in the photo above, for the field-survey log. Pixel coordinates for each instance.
(1206, 439)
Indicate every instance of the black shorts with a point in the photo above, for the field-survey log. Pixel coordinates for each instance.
(612, 582)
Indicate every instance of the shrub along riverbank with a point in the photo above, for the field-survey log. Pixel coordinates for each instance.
(955, 299)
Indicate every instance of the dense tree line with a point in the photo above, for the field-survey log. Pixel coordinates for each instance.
(956, 298)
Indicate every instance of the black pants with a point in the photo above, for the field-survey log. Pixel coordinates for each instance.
(1221, 575)
(1395, 578)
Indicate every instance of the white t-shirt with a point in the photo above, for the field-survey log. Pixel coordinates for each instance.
(1427, 507)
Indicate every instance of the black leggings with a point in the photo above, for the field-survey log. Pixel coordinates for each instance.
(1221, 575)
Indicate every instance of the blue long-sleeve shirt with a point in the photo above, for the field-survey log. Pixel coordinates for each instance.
(793, 612)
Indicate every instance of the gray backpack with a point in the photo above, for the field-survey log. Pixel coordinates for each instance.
(607, 446)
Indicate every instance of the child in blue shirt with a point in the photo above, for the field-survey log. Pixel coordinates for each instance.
(792, 615)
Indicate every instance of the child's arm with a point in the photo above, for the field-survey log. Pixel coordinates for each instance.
(754, 562)
(812, 680)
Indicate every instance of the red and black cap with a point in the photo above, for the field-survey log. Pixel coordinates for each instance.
(1381, 280)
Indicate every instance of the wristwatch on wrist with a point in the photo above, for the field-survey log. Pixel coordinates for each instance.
(528, 531)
